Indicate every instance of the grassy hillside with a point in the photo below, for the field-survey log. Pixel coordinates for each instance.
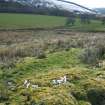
(22, 21)
(94, 26)
(11, 21)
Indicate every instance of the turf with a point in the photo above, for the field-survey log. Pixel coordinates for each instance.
(94, 26)
(28, 21)
(11, 21)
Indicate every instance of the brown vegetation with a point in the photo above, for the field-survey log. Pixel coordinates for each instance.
(20, 44)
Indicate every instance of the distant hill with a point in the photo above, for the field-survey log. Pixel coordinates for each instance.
(101, 10)
(53, 7)
(24, 7)
(10, 6)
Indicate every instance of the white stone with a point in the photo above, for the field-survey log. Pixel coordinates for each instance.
(61, 80)
(34, 86)
(27, 85)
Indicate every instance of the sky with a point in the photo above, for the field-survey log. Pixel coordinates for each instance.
(90, 3)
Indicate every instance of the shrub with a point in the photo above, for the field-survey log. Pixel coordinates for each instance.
(8, 53)
(96, 96)
(33, 102)
(39, 53)
(3, 94)
(90, 55)
(101, 48)
(79, 95)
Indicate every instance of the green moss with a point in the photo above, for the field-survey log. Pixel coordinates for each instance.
(64, 59)
(84, 103)
(42, 71)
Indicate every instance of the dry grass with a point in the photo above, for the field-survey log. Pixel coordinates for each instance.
(29, 43)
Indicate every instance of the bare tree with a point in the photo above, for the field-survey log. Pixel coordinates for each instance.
(85, 18)
(71, 19)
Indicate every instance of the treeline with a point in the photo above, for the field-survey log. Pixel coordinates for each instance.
(14, 7)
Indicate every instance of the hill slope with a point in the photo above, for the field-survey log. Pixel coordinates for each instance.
(100, 10)
(29, 21)
(14, 7)
(38, 5)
